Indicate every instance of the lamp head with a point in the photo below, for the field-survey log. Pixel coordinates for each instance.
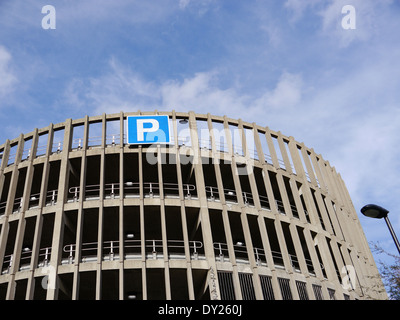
(374, 211)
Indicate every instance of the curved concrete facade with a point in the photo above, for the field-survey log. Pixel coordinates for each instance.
(226, 210)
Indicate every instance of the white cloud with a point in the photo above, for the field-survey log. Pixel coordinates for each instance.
(298, 7)
(201, 7)
(183, 3)
(201, 93)
(369, 155)
(119, 89)
(286, 94)
(123, 89)
(7, 77)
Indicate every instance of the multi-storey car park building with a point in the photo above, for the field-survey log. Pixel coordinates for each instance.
(226, 210)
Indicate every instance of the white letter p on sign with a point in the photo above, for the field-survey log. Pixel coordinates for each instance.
(141, 129)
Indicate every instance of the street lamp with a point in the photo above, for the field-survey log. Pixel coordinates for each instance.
(374, 211)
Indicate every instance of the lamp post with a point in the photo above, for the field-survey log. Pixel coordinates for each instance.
(374, 211)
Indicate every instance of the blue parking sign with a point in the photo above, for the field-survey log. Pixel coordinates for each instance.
(148, 129)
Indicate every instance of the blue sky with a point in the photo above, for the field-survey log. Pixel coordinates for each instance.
(288, 65)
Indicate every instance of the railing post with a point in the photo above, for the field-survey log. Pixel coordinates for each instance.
(211, 193)
(112, 191)
(154, 249)
(257, 257)
(53, 197)
(70, 254)
(221, 255)
(10, 263)
(46, 258)
(111, 251)
(76, 194)
(195, 253)
(246, 202)
(188, 192)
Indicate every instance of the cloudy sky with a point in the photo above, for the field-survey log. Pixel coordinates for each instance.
(289, 65)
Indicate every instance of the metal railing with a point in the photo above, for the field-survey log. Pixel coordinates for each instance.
(96, 141)
(25, 259)
(241, 254)
(112, 190)
(50, 199)
(152, 247)
(230, 195)
(154, 250)
(150, 189)
(224, 147)
(110, 249)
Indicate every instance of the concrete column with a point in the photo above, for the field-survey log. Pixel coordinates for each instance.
(310, 170)
(271, 147)
(296, 197)
(245, 225)
(315, 161)
(229, 238)
(269, 258)
(80, 218)
(297, 163)
(56, 248)
(312, 252)
(163, 227)
(39, 219)
(284, 154)
(330, 223)
(9, 211)
(21, 225)
(327, 262)
(120, 148)
(100, 238)
(4, 219)
(185, 233)
(205, 221)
